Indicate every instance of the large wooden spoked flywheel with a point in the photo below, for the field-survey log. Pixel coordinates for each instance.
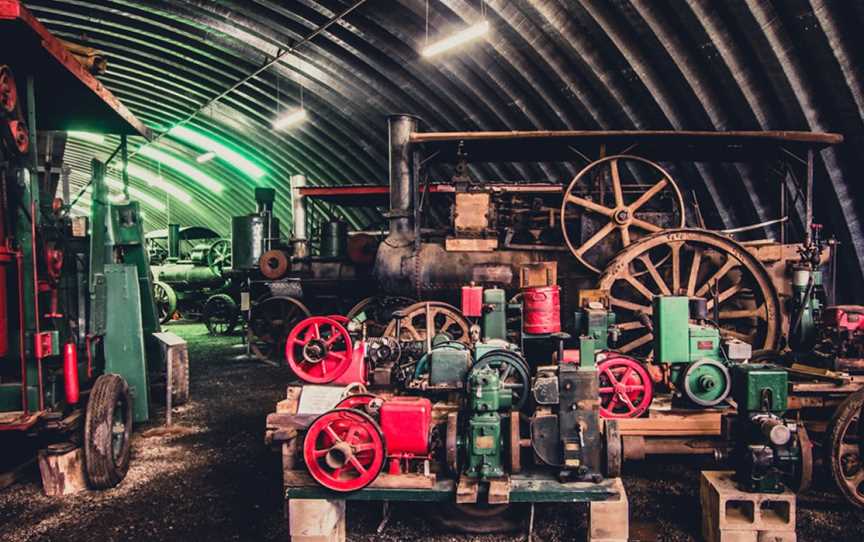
(695, 263)
(430, 315)
(615, 201)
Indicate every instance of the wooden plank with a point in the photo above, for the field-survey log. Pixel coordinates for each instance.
(697, 423)
(301, 478)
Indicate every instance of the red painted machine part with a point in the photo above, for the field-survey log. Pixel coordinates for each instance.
(70, 373)
(4, 316)
(848, 317)
(541, 310)
(319, 350)
(344, 450)
(472, 301)
(406, 423)
(357, 401)
(625, 388)
(356, 371)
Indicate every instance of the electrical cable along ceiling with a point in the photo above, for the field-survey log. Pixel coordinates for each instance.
(544, 64)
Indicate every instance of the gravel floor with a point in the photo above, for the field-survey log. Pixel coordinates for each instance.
(215, 480)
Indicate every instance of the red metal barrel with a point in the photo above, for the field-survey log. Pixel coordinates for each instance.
(541, 310)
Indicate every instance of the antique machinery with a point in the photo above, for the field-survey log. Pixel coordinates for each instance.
(76, 306)
(767, 452)
(487, 397)
(808, 294)
(346, 448)
(189, 284)
(695, 263)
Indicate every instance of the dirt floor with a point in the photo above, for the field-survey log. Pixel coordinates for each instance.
(215, 480)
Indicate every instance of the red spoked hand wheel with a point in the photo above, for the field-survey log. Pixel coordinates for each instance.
(344, 450)
(625, 387)
(342, 320)
(319, 350)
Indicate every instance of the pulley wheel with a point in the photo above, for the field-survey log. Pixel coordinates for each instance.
(377, 311)
(513, 372)
(344, 450)
(273, 264)
(625, 388)
(17, 135)
(706, 382)
(319, 350)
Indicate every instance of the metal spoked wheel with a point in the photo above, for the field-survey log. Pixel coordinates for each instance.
(344, 450)
(625, 388)
(166, 301)
(698, 263)
(615, 201)
(220, 314)
(319, 350)
(271, 321)
(846, 448)
(219, 256)
(377, 311)
(441, 318)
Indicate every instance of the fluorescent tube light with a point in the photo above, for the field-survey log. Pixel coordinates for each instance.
(289, 119)
(214, 149)
(86, 136)
(206, 157)
(457, 39)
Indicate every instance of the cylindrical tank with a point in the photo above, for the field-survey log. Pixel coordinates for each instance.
(436, 272)
(298, 207)
(334, 239)
(251, 236)
(173, 240)
(541, 310)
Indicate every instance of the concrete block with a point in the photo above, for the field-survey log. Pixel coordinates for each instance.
(609, 521)
(316, 520)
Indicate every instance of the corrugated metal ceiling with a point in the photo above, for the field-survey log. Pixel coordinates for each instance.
(547, 64)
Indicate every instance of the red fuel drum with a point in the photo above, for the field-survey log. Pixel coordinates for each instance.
(406, 423)
(472, 301)
(541, 310)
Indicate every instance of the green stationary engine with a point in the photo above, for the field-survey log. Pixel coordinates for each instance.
(767, 452)
(690, 344)
(487, 399)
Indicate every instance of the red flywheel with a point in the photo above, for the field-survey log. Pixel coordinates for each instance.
(319, 350)
(344, 450)
(8, 91)
(625, 387)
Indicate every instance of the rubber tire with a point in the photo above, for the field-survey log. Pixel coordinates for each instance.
(104, 470)
(850, 406)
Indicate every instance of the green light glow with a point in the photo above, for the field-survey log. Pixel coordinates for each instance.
(182, 167)
(86, 136)
(158, 182)
(134, 193)
(205, 143)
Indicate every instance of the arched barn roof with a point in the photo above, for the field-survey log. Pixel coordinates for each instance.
(546, 64)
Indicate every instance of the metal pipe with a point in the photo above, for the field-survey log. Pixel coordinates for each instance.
(808, 199)
(399, 130)
(298, 212)
(173, 240)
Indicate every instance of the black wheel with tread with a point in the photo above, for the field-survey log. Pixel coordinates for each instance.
(107, 432)
(845, 443)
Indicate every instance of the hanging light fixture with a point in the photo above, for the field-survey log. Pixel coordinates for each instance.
(206, 157)
(290, 117)
(452, 41)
